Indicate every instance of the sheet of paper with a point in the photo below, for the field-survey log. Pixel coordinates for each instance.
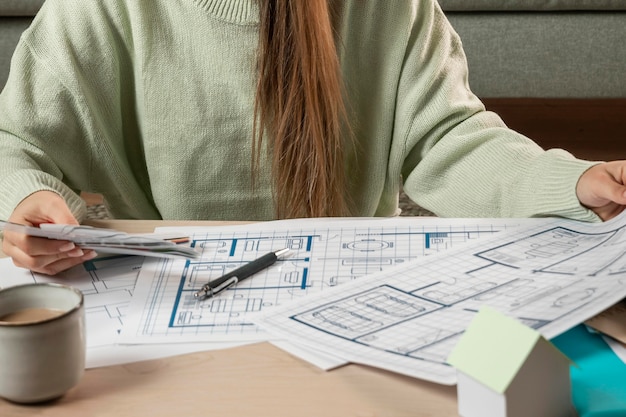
(551, 276)
(325, 254)
(611, 322)
(618, 347)
(323, 360)
(116, 354)
(108, 240)
(107, 284)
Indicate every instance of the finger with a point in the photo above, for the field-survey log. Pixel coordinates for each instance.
(53, 264)
(38, 246)
(611, 191)
(617, 171)
(600, 185)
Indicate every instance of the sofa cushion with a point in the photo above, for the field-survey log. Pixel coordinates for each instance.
(19, 7)
(530, 5)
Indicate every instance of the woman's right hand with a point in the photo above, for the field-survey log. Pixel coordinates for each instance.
(38, 254)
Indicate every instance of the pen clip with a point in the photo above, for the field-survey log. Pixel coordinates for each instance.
(208, 291)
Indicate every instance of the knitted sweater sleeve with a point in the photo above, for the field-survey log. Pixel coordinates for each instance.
(67, 118)
(461, 160)
(36, 136)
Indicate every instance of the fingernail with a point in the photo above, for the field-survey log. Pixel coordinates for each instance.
(90, 255)
(75, 253)
(67, 247)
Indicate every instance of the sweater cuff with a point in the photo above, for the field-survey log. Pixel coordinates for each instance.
(555, 193)
(23, 183)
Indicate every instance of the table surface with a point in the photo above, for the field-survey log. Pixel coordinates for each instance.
(251, 380)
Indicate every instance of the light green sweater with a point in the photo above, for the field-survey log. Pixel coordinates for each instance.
(150, 103)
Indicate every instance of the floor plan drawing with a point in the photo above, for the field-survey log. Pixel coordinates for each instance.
(551, 277)
(323, 255)
(107, 284)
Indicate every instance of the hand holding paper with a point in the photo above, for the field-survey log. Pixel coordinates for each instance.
(108, 240)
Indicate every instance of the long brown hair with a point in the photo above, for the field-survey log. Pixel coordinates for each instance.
(299, 104)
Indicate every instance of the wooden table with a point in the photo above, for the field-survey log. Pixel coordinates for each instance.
(254, 380)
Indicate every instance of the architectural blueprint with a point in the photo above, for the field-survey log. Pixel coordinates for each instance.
(107, 284)
(325, 253)
(550, 276)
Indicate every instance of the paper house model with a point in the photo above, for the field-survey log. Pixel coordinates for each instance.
(506, 369)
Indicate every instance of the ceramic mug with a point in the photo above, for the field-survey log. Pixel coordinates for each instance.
(42, 341)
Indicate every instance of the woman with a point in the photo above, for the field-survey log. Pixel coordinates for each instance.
(244, 109)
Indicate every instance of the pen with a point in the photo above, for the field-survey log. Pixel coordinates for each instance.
(212, 288)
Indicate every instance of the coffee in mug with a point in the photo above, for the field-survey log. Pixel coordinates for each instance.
(31, 314)
(42, 341)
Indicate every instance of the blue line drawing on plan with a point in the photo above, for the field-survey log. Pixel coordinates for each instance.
(552, 250)
(321, 257)
(370, 319)
(108, 284)
(551, 276)
(363, 313)
(357, 256)
(246, 297)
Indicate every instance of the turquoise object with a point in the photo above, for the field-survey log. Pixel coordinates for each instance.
(598, 376)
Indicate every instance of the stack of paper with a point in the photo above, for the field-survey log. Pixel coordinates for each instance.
(107, 240)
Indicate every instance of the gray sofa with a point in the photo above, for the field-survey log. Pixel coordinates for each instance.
(515, 48)
(15, 16)
(543, 48)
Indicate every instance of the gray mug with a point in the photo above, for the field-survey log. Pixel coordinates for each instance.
(42, 341)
